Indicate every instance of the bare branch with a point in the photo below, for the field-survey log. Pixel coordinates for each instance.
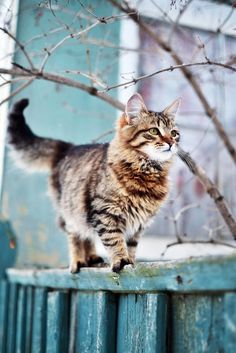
(211, 189)
(20, 45)
(170, 69)
(63, 40)
(210, 241)
(21, 71)
(18, 90)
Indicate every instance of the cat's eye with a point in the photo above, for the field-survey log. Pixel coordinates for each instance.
(154, 131)
(174, 133)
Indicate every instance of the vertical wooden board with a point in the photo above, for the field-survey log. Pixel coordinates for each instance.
(197, 324)
(39, 321)
(142, 320)
(3, 314)
(230, 322)
(96, 322)
(28, 319)
(21, 322)
(12, 315)
(57, 322)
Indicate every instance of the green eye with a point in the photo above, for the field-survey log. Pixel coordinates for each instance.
(154, 131)
(174, 133)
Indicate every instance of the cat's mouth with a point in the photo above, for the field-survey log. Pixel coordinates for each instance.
(172, 149)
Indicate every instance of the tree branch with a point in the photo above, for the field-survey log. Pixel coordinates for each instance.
(20, 45)
(21, 71)
(170, 69)
(211, 189)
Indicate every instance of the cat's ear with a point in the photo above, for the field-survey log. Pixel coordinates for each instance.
(172, 109)
(134, 107)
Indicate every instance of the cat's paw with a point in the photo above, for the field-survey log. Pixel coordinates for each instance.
(94, 260)
(119, 265)
(76, 266)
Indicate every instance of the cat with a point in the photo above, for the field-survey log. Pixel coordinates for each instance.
(107, 190)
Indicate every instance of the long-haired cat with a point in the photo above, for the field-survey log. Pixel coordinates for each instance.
(107, 190)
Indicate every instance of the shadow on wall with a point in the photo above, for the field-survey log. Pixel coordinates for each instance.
(8, 249)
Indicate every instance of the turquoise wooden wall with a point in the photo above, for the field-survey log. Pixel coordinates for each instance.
(59, 112)
(178, 307)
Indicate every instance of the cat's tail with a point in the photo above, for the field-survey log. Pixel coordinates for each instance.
(31, 152)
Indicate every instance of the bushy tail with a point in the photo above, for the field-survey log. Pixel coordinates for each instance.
(30, 151)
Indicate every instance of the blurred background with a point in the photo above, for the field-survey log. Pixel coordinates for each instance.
(89, 48)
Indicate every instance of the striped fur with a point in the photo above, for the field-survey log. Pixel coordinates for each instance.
(105, 190)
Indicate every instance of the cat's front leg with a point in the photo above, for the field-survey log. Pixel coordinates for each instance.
(115, 244)
(77, 253)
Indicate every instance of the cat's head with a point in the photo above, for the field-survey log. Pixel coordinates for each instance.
(155, 135)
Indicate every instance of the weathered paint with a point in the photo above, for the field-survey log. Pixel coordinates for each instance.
(39, 321)
(199, 274)
(28, 318)
(197, 323)
(3, 313)
(142, 323)
(96, 323)
(11, 321)
(230, 322)
(57, 322)
(170, 306)
(20, 320)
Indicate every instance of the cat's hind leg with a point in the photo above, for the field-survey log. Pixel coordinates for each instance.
(132, 244)
(92, 258)
(77, 253)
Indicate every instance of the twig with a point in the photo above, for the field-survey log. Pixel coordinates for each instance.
(109, 132)
(170, 69)
(63, 40)
(20, 45)
(211, 189)
(21, 71)
(210, 241)
(18, 90)
(91, 77)
(226, 19)
(186, 72)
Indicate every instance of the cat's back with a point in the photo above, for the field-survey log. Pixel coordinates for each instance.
(76, 166)
(85, 156)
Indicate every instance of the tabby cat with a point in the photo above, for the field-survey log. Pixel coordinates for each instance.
(110, 190)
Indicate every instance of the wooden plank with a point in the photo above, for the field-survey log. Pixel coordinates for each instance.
(192, 275)
(39, 320)
(3, 314)
(230, 322)
(142, 321)
(12, 315)
(197, 324)
(29, 319)
(20, 320)
(57, 322)
(96, 323)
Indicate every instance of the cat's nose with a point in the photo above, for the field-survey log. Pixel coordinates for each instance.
(170, 143)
